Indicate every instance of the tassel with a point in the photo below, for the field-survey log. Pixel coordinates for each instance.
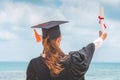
(37, 36)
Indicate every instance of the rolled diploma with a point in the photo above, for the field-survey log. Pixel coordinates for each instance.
(102, 16)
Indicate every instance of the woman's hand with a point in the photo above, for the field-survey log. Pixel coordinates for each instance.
(103, 35)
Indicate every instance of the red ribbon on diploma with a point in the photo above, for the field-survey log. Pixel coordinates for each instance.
(100, 20)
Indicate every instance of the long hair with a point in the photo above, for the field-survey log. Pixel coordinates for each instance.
(53, 56)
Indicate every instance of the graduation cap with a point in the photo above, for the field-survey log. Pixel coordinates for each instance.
(50, 29)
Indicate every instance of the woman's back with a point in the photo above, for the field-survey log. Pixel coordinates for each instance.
(75, 66)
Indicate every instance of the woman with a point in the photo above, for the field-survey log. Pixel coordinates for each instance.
(53, 64)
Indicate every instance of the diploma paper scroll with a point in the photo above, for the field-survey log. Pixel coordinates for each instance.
(101, 19)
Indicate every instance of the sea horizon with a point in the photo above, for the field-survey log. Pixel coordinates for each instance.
(16, 70)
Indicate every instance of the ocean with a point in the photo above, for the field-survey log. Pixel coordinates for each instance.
(97, 71)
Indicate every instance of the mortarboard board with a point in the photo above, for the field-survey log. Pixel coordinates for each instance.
(50, 29)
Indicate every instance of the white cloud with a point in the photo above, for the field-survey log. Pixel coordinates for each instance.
(6, 35)
(80, 12)
(111, 2)
(17, 17)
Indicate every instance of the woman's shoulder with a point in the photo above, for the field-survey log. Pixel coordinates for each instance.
(35, 59)
(38, 63)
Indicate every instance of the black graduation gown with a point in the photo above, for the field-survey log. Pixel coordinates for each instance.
(75, 66)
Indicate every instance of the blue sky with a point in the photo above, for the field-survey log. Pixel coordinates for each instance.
(17, 42)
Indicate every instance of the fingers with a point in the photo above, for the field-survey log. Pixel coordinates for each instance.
(104, 35)
(100, 33)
